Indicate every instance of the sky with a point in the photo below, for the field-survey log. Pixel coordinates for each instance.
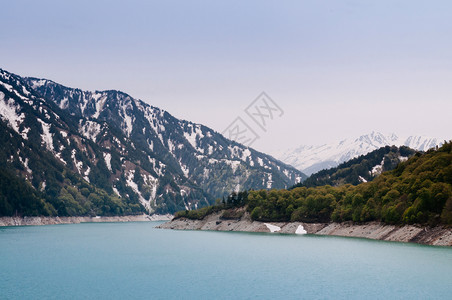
(336, 69)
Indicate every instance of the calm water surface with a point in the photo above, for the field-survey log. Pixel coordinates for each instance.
(135, 260)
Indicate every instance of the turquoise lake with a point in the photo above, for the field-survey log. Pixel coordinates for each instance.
(138, 261)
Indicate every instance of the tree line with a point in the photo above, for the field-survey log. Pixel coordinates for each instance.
(418, 190)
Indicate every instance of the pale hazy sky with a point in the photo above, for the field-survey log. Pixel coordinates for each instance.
(336, 68)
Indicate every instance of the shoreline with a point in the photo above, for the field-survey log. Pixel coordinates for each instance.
(37, 221)
(435, 236)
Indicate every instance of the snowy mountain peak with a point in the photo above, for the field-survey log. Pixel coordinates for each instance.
(422, 143)
(378, 139)
(310, 159)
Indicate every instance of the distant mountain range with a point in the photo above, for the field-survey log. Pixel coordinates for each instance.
(311, 159)
(105, 152)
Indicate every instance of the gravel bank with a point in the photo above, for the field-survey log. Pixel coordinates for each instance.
(438, 236)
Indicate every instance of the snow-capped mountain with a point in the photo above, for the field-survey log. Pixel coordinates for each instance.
(311, 159)
(133, 151)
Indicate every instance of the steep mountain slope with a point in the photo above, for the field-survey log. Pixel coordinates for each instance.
(311, 159)
(133, 150)
(363, 168)
(37, 169)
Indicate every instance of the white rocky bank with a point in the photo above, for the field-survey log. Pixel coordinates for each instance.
(23, 221)
(439, 236)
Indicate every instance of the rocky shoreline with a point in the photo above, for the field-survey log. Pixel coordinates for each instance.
(24, 221)
(438, 236)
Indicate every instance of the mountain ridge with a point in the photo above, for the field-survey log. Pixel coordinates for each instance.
(134, 150)
(311, 159)
(363, 168)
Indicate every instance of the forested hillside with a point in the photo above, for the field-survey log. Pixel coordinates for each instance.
(52, 188)
(360, 169)
(418, 190)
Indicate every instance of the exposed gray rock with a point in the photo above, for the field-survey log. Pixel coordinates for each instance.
(438, 236)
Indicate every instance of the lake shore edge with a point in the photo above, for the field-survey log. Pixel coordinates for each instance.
(41, 220)
(435, 236)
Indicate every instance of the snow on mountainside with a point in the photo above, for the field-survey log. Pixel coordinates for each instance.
(133, 150)
(311, 159)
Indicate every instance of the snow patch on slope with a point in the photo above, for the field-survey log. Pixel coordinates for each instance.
(64, 103)
(134, 186)
(300, 230)
(90, 130)
(38, 83)
(86, 177)
(127, 119)
(116, 191)
(46, 136)
(9, 113)
(191, 138)
(107, 158)
(269, 181)
(234, 164)
(25, 163)
(376, 170)
(100, 102)
(272, 228)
